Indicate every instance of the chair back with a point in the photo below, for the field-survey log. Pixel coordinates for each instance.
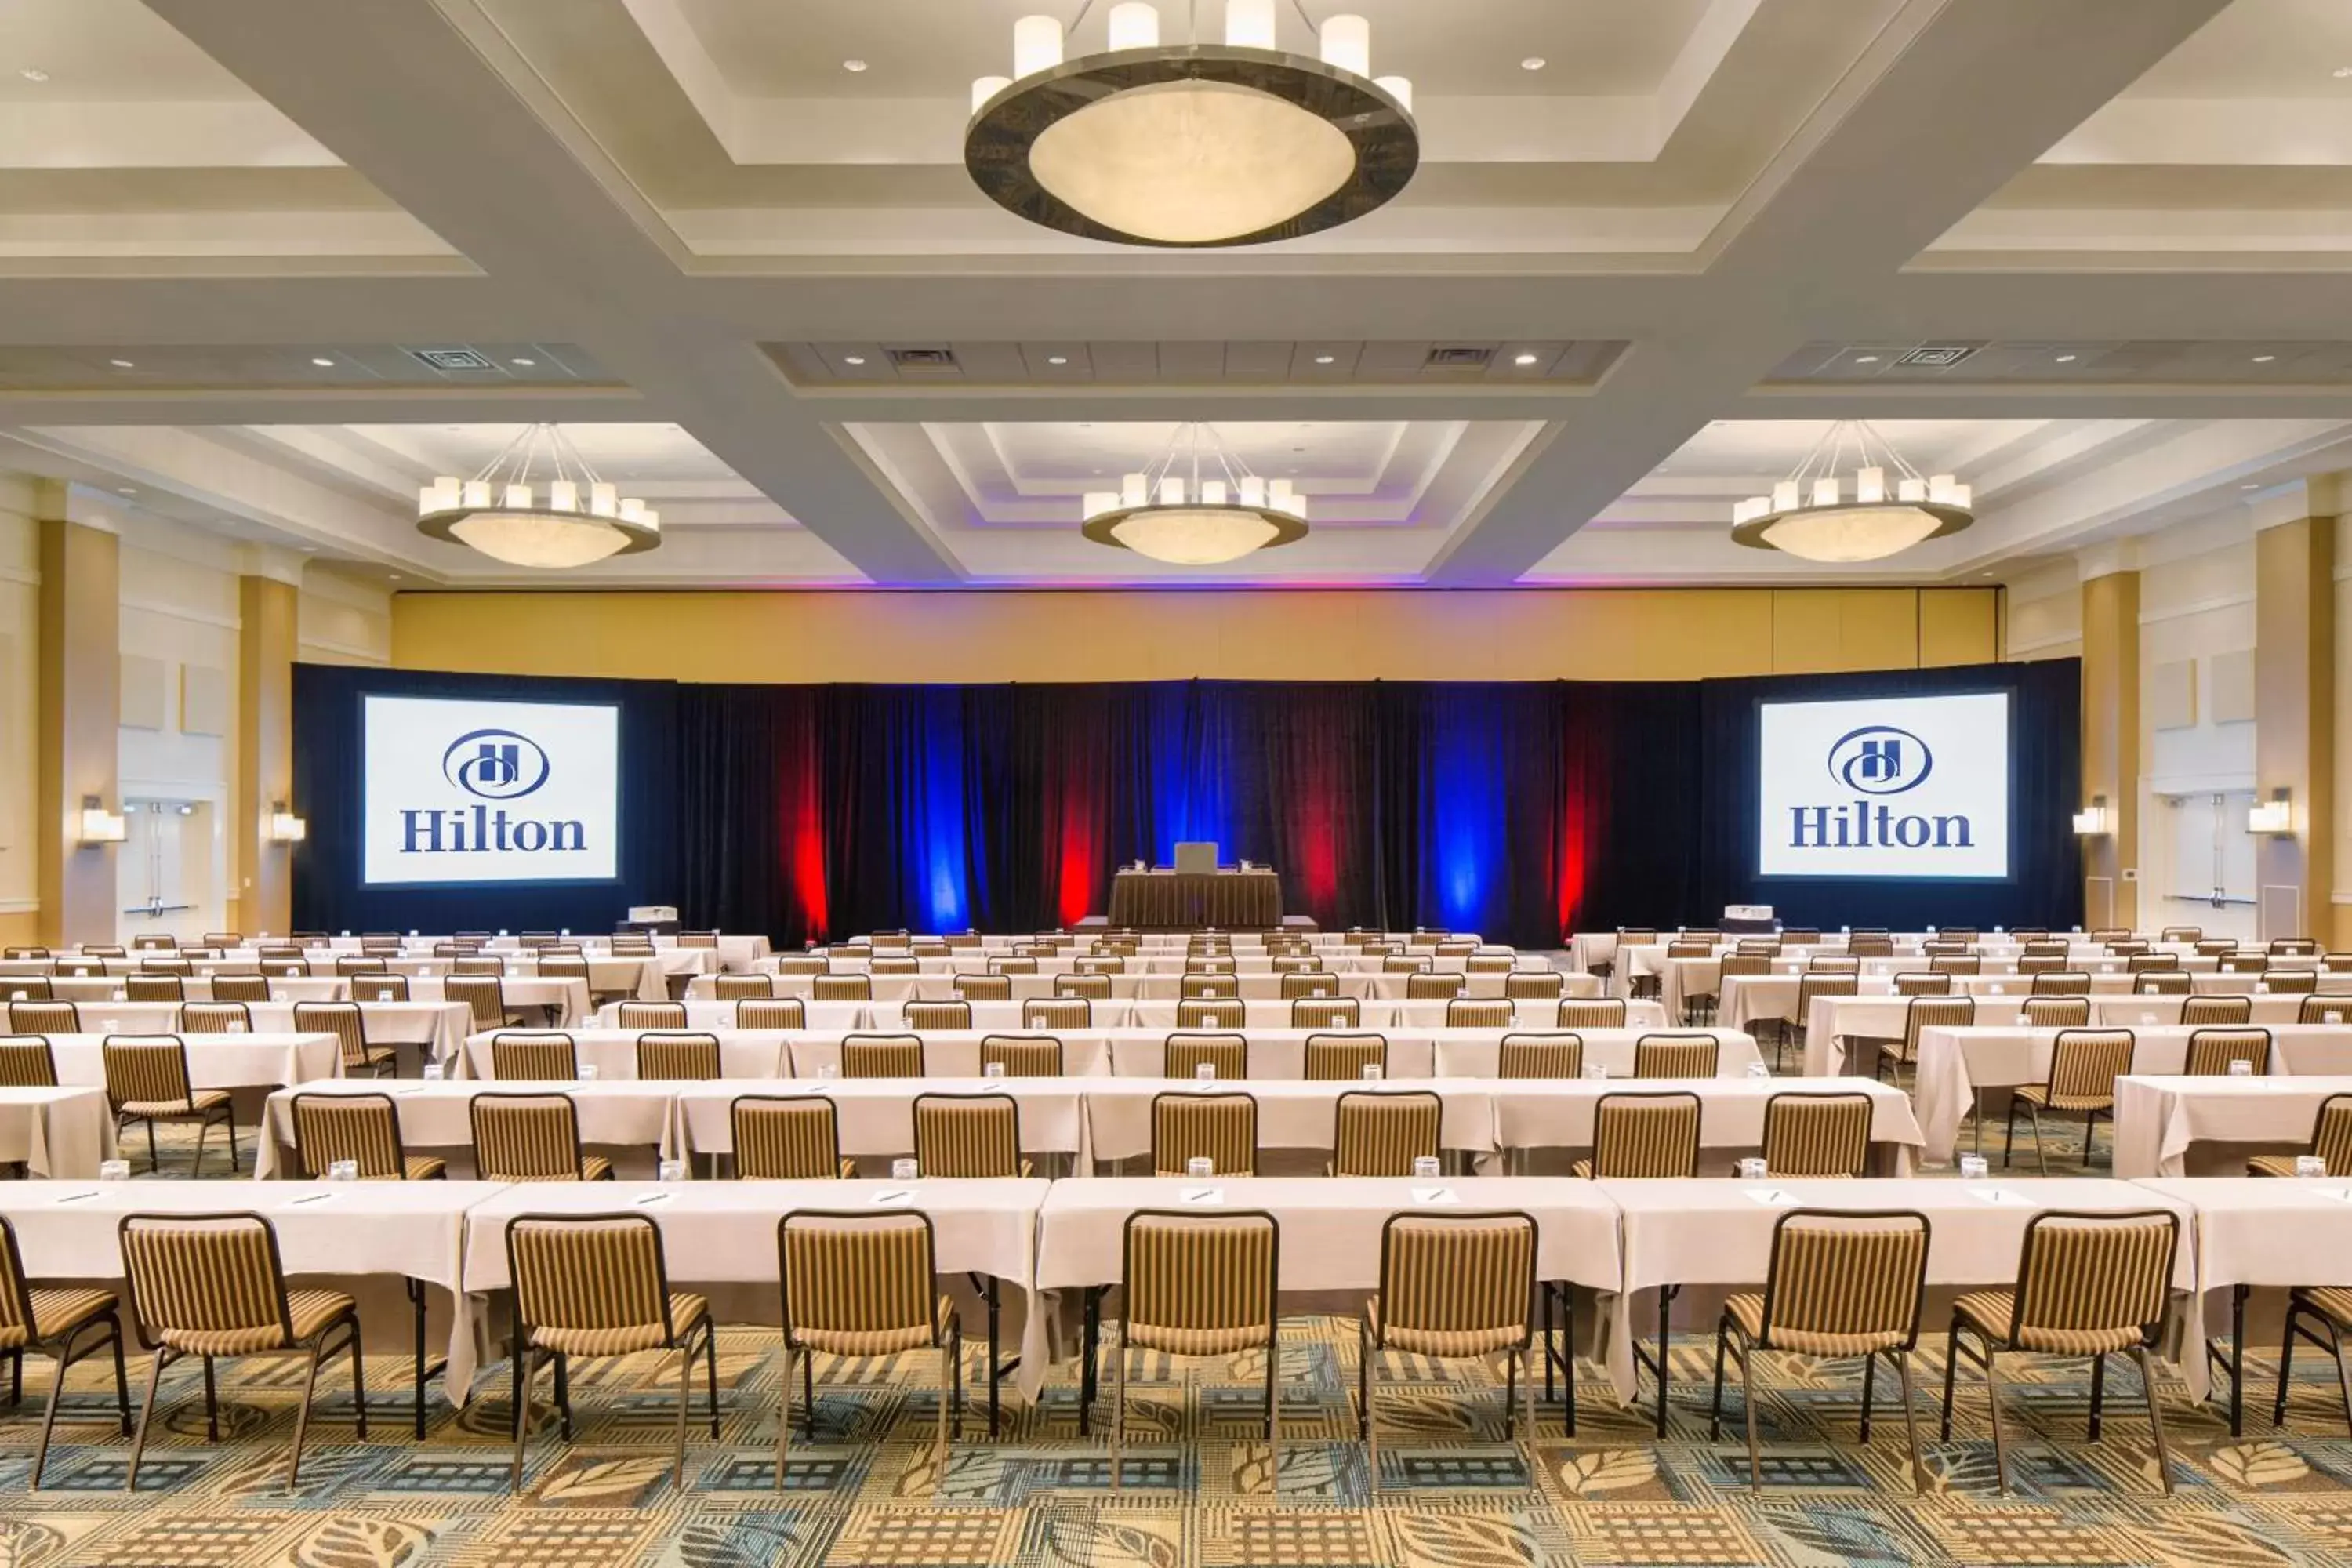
(771, 1012)
(985, 988)
(1022, 1057)
(159, 987)
(1557, 1055)
(25, 988)
(1200, 1284)
(1644, 1135)
(2198, 1012)
(1935, 1013)
(858, 1284)
(2331, 1007)
(342, 1020)
(881, 1056)
(1590, 1013)
(363, 963)
(485, 994)
(1811, 985)
(2181, 933)
(1957, 964)
(2085, 1277)
(1327, 1013)
(677, 1054)
(1094, 972)
(2331, 1133)
(2056, 1012)
(1677, 1056)
(27, 1062)
(1088, 988)
(2210, 1051)
(1739, 965)
(1057, 1013)
(1435, 987)
(150, 1069)
(741, 988)
(2062, 983)
(650, 1016)
(1309, 983)
(525, 1137)
(1383, 1134)
(540, 1055)
(929, 1017)
(241, 988)
(215, 1018)
(208, 1283)
(44, 1018)
(1928, 984)
(842, 988)
(362, 1128)
(1209, 988)
(967, 1135)
(1816, 1136)
(1534, 985)
(1845, 1281)
(1456, 1285)
(1218, 1127)
(590, 1284)
(1478, 1013)
(2084, 1064)
(384, 988)
(475, 966)
(2244, 963)
(2290, 982)
(786, 1137)
(1194, 1013)
(1226, 1056)
(1337, 1059)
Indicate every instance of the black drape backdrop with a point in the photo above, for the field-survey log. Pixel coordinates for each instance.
(1520, 810)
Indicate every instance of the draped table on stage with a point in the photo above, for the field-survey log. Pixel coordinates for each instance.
(1174, 900)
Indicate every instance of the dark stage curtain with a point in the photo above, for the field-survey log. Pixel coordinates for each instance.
(1519, 810)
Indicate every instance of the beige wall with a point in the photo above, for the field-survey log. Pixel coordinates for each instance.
(884, 636)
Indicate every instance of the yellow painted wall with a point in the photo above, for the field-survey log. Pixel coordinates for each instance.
(920, 638)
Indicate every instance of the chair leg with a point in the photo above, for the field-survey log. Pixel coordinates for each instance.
(2286, 1365)
(359, 1381)
(2343, 1377)
(563, 1392)
(1748, 1400)
(1567, 1362)
(196, 1166)
(1951, 1369)
(2155, 1416)
(212, 1405)
(1993, 1403)
(1910, 1421)
(49, 1417)
(808, 1395)
(301, 1412)
(710, 1366)
(1363, 1380)
(2098, 1392)
(1869, 1384)
(154, 1160)
(526, 1359)
(1715, 1405)
(2009, 1141)
(950, 1369)
(685, 1404)
(2040, 1155)
(785, 1415)
(1371, 1437)
(1273, 1411)
(146, 1414)
(1118, 1410)
(121, 1376)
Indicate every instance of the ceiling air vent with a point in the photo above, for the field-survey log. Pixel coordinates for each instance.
(1936, 356)
(923, 359)
(1459, 358)
(454, 359)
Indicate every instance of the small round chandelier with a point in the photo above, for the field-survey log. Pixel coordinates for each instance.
(1198, 506)
(1813, 513)
(1192, 145)
(538, 505)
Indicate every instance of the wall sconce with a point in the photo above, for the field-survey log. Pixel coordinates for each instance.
(2093, 821)
(2273, 816)
(99, 825)
(285, 827)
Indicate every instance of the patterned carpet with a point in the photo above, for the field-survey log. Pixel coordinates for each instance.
(1197, 1476)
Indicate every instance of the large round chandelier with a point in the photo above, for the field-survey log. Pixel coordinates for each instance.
(538, 505)
(1191, 144)
(1198, 506)
(1816, 515)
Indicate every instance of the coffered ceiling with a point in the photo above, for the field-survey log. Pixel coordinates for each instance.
(271, 266)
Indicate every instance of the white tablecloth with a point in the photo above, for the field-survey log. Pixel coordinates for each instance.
(743, 1053)
(563, 1002)
(875, 1116)
(216, 1061)
(437, 1116)
(1557, 1113)
(2157, 1117)
(62, 1132)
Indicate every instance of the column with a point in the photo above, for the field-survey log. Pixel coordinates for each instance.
(80, 684)
(2294, 716)
(267, 594)
(2111, 739)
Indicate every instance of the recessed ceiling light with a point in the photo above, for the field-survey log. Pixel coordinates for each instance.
(394, 576)
(34, 73)
(1057, 359)
(322, 361)
(525, 363)
(2341, 72)
(1866, 359)
(2068, 358)
(1534, 63)
(2264, 359)
(127, 491)
(2249, 485)
(1325, 358)
(853, 359)
(853, 67)
(1523, 359)
(120, 363)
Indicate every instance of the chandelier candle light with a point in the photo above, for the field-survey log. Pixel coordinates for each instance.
(1814, 515)
(1198, 506)
(538, 505)
(1191, 144)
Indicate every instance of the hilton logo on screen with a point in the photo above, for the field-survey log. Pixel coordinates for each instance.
(494, 766)
(1877, 761)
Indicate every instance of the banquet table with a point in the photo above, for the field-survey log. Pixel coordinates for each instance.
(86, 989)
(563, 1002)
(874, 1117)
(1160, 1014)
(612, 1053)
(1557, 1113)
(339, 1232)
(435, 1117)
(61, 1131)
(1957, 1065)
(1838, 1019)
(715, 1015)
(257, 1060)
(1718, 1235)
(2158, 1118)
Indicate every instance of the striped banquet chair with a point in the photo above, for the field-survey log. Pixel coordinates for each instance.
(984, 988)
(1221, 1127)
(1922, 1013)
(161, 987)
(381, 988)
(2291, 982)
(2331, 1139)
(968, 1136)
(487, 995)
(1209, 988)
(2055, 1012)
(1841, 1283)
(1590, 1013)
(881, 1056)
(1643, 1135)
(211, 1286)
(650, 1016)
(1435, 987)
(366, 963)
(1383, 1134)
(771, 1012)
(1018, 1057)
(2202, 1012)
(1057, 1013)
(362, 1128)
(1928, 984)
(236, 987)
(1540, 1055)
(44, 1018)
(927, 1017)
(26, 1061)
(1487, 1012)
(2089, 1283)
(1453, 1288)
(1337, 1059)
(2331, 1008)
(742, 987)
(215, 1018)
(543, 1057)
(147, 1081)
(678, 1054)
(55, 1322)
(532, 1138)
(2062, 983)
(787, 1138)
(1327, 1013)
(1317, 983)
(842, 988)
(2083, 1066)
(1184, 1054)
(1957, 964)
(1087, 988)
(1534, 985)
(27, 988)
(2211, 1052)
(856, 1285)
(349, 1025)
(593, 1285)
(1197, 1013)
(1201, 1285)
(1677, 1056)
(1809, 1136)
